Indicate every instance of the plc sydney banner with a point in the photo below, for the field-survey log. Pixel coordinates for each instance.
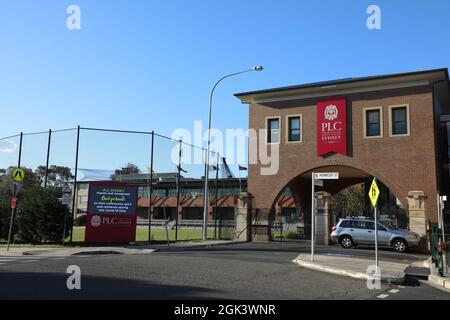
(332, 126)
(111, 213)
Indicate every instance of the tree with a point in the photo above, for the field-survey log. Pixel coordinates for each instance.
(39, 214)
(129, 168)
(5, 196)
(57, 176)
(348, 202)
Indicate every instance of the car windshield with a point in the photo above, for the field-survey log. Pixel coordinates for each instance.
(388, 224)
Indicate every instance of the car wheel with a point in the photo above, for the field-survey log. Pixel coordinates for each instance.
(400, 245)
(346, 242)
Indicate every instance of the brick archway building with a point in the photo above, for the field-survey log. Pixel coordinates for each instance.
(395, 129)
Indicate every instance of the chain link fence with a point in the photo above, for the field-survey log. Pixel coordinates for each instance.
(169, 173)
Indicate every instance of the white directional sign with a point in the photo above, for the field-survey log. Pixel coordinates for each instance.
(318, 183)
(326, 175)
(15, 188)
(67, 193)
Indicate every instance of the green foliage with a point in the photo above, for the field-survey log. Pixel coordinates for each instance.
(349, 202)
(292, 235)
(39, 214)
(4, 216)
(57, 176)
(129, 168)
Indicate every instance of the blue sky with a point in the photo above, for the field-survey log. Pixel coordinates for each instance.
(149, 65)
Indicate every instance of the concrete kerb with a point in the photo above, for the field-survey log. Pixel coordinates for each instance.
(442, 283)
(87, 251)
(347, 273)
(111, 249)
(193, 246)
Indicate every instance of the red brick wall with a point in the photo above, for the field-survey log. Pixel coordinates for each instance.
(402, 163)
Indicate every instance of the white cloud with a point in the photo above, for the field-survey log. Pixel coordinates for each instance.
(8, 146)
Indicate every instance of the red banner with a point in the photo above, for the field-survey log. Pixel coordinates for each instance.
(111, 213)
(332, 126)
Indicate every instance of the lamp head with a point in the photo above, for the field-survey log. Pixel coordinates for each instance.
(258, 68)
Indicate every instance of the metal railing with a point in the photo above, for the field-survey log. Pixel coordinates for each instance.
(439, 249)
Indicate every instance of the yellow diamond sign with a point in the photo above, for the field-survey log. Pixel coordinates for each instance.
(374, 192)
(18, 175)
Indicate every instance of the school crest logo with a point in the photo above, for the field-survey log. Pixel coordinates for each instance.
(96, 221)
(331, 112)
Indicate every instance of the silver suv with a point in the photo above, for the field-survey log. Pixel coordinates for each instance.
(354, 231)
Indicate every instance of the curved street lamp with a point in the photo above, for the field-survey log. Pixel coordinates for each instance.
(205, 192)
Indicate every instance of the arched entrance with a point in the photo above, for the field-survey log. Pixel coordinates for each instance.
(290, 213)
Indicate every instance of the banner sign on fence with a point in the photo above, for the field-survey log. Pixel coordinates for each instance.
(111, 213)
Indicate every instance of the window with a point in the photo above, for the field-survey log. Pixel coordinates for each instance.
(83, 186)
(399, 120)
(344, 224)
(294, 124)
(399, 125)
(370, 225)
(373, 123)
(273, 130)
(83, 199)
(356, 224)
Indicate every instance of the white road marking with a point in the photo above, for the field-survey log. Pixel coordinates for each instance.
(394, 291)
(23, 261)
(383, 296)
(59, 258)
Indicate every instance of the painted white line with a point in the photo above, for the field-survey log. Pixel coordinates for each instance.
(59, 258)
(383, 296)
(402, 287)
(23, 261)
(394, 291)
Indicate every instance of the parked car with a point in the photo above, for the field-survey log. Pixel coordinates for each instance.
(354, 231)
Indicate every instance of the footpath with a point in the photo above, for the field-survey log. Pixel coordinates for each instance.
(116, 249)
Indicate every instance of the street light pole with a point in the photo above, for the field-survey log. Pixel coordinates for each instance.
(205, 192)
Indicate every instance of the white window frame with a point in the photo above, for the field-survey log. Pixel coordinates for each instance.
(365, 122)
(408, 121)
(267, 129)
(80, 199)
(287, 127)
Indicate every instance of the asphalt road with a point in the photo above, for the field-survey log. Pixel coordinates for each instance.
(237, 271)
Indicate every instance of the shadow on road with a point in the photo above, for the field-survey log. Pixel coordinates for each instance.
(21, 285)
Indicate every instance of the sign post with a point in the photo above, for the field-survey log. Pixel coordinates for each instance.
(317, 179)
(18, 175)
(13, 207)
(65, 200)
(374, 192)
